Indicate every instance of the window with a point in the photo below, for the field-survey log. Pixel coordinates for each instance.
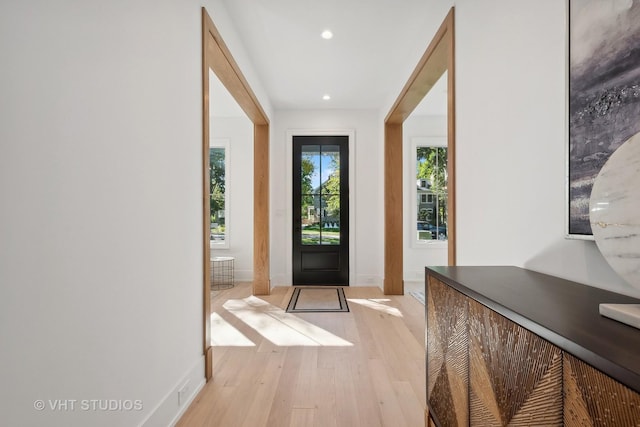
(431, 176)
(219, 183)
(426, 199)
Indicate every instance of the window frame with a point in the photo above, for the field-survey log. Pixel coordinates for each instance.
(223, 143)
(430, 141)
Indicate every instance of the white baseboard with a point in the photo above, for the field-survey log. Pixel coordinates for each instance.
(174, 404)
(368, 280)
(243, 275)
(413, 285)
(361, 280)
(281, 280)
(415, 275)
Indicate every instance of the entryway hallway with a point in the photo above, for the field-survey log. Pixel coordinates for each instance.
(365, 367)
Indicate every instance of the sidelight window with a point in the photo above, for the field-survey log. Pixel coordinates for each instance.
(431, 180)
(219, 204)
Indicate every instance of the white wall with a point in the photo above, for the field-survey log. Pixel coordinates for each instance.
(510, 140)
(510, 128)
(366, 194)
(511, 136)
(100, 224)
(417, 256)
(239, 132)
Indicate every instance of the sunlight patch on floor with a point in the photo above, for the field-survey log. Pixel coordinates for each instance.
(279, 327)
(377, 304)
(225, 335)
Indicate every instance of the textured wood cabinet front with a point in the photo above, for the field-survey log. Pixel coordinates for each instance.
(484, 369)
(515, 376)
(594, 399)
(447, 349)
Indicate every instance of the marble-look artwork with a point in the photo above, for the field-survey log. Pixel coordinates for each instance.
(614, 210)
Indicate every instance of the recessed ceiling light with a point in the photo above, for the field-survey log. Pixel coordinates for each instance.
(327, 34)
(326, 97)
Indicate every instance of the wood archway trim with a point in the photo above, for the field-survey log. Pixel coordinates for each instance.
(438, 58)
(217, 57)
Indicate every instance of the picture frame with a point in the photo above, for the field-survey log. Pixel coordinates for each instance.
(603, 102)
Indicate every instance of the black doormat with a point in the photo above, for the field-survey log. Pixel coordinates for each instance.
(325, 299)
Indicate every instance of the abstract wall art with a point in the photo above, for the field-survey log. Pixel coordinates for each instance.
(604, 95)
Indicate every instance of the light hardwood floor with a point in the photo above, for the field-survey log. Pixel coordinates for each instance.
(361, 368)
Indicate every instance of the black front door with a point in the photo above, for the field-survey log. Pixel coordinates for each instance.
(321, 210)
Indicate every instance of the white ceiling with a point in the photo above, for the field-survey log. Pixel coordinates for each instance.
(364, 66)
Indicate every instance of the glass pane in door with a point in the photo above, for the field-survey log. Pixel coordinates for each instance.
(310, 210)
(320, 195)
(330, 220)
(330, 195)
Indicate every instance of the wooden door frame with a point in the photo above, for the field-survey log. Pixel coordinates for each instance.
(438, 58)
(217, 57)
